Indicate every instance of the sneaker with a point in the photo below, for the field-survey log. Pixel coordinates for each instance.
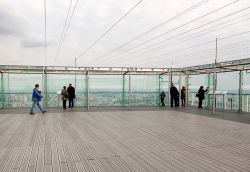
(32, 113)
(44, 111)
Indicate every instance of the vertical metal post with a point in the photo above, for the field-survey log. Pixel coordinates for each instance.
(186, 84)
(9, 103)
(208, 96)
(2, 91)
(123, 89)
(129, 89)
(42, 89)
(180, 84)
(75, 72)
(45, 93)
(240, 90)
(169, 86)
(87, 89)
(247, 108)
(159, 90)
(215, 77)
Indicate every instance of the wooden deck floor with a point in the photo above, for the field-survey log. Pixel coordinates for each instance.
(122, 141)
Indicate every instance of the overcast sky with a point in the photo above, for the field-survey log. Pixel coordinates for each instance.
(175, 42)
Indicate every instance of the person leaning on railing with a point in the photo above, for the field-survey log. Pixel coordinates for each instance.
(36, 98)
(201, 95)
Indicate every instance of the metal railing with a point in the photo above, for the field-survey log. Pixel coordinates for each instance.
(227, 101)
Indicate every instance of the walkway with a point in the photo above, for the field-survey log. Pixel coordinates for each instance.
(122, 141)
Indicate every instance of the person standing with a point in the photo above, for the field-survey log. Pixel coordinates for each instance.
(36, 98)
(174, 93)
(201, 95)
(64, 96)
(183, 96)
(71, 94)
(162, 96)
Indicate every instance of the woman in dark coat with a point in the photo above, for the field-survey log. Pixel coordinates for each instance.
(201, 95)
(64, 96)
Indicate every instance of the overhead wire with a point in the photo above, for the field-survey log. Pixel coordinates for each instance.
(174, 29)
(164, 54)
(154, 28)
(45, 32)
(175, 36)
(197, 35)
(109, 29)
(62, 34)
(202, 44)
(66, 29)
(72, 14)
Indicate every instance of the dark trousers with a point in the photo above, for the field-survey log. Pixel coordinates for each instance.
(200, 102)
(172, 101)
(64, 104)
(183, 102)
(71, 102)
(175, 101)
(162, 102)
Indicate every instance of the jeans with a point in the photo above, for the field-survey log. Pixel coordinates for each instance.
(34, 106)
(71, 102)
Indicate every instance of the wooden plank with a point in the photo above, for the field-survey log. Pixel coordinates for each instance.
(31, 169)
(40, 159)
(23, 165)
(56, 168)
(47, 168)
(70, 162)
(34, 156)
(61, 155)
(7, 166)
(80, 166)
(64, 168)
(122, 141)
(19, 158)
(54, 155)
(48, 156)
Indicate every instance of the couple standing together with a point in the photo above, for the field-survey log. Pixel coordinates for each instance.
(68, 94)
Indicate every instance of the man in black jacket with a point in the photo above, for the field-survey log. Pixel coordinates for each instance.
(71, 94)
(201, 95)
(174, 93)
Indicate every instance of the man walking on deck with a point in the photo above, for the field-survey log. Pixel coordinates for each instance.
(36, 98)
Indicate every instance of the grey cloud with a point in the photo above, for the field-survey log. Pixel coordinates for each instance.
(15, 25)
(10, 23)
(31, 43)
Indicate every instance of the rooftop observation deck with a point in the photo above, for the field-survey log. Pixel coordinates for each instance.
(138, 49)
(124, 131)
(120, 140)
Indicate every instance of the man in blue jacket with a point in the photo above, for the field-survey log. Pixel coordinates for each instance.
(36, 98)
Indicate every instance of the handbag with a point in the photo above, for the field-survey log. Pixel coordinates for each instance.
(197, 95)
